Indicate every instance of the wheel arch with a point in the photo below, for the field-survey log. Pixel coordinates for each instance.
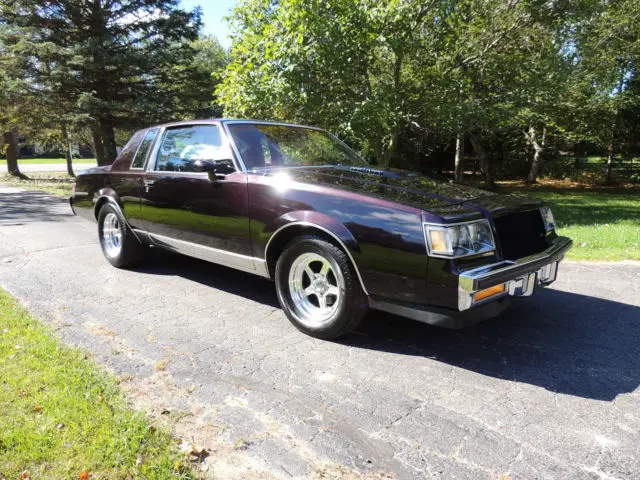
(103, 196)
(108, 195)
(341, 237)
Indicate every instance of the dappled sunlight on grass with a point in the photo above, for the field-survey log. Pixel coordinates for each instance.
(603, 222)
(56, 183)
(49, 161)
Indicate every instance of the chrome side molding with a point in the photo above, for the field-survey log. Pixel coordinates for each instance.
(244, 263)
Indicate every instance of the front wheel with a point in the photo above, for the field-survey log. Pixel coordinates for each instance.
(318, 288)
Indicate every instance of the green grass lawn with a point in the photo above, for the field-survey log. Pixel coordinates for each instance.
(56, 183)
(28, 161)
(604, 223)
(62, 415)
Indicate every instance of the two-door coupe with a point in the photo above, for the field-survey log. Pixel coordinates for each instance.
(296, 205)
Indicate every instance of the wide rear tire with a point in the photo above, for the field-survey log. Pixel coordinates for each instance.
(120, 245)
(318, 288)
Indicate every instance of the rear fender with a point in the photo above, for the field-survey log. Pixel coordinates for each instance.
(106, 195)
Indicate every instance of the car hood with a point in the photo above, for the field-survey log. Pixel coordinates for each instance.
(440, 197)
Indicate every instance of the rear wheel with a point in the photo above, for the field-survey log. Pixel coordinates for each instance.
(318, 288)
(119, 244)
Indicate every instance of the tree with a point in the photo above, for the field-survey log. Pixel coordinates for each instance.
(606, 88)
(189, 83)
(372, 69)
(108, 58)
(343, 64)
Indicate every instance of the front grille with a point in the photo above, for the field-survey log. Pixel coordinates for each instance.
(521, 234)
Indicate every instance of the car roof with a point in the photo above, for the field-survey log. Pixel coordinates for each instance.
(218, 121)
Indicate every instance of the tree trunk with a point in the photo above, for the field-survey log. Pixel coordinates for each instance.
(610, 164)
(538, 150)
(67, 150)
(390, 150)
(98, 149)
(12, 154)
(459, 158)
(483, 160)
(108, 141)
(377, 152)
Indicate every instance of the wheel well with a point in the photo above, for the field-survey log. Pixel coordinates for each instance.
(280, 242)
(101, 201)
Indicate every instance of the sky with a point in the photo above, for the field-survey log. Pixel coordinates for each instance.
(213, 12)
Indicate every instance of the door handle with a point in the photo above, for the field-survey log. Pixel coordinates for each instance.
(148, 184)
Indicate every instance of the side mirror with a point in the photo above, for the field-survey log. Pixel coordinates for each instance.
(215, 168)
(204, 166)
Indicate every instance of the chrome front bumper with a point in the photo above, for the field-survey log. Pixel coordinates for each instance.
(520, 277)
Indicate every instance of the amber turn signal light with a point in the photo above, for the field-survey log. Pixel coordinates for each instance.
(489, 292)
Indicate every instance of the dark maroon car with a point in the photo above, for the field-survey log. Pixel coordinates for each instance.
(297, 205)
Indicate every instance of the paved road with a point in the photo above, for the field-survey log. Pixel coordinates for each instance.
(550, 390)
(28, 167)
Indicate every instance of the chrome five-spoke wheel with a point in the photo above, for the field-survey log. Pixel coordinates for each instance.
(111, 235)
(318, 287)
(315, 288)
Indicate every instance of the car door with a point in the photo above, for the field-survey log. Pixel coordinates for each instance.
(199, 214)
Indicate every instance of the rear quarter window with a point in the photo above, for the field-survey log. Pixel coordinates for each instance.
(123, 162)
(143, 151)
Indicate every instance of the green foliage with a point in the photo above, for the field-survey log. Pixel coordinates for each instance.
(388, 74)
(398, 79)
(105, 65)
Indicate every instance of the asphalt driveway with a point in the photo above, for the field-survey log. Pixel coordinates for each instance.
(549, 390)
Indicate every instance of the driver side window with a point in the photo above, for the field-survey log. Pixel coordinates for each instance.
(182, 146)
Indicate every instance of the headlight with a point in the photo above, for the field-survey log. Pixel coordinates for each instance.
(459, 240)
(547, 218)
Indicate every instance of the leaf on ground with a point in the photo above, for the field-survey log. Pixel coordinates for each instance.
(25, 476)
(197, 451)
(37, 408)
(84, 476)
(162, 365)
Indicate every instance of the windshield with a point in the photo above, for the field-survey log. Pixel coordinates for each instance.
(269, 145)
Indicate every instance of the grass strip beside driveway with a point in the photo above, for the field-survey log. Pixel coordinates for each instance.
(62, 416)
(604, 223)
(50, 161)
(55, 183)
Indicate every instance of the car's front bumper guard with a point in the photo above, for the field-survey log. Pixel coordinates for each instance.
(520, 277)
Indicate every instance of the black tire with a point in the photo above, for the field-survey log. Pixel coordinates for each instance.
(351, 307)
(131, 251)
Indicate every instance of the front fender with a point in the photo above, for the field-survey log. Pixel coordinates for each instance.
(311, 218)
(283, 226)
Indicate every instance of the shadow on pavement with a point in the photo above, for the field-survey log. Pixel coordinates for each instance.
(564, 342)
(31, 207)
